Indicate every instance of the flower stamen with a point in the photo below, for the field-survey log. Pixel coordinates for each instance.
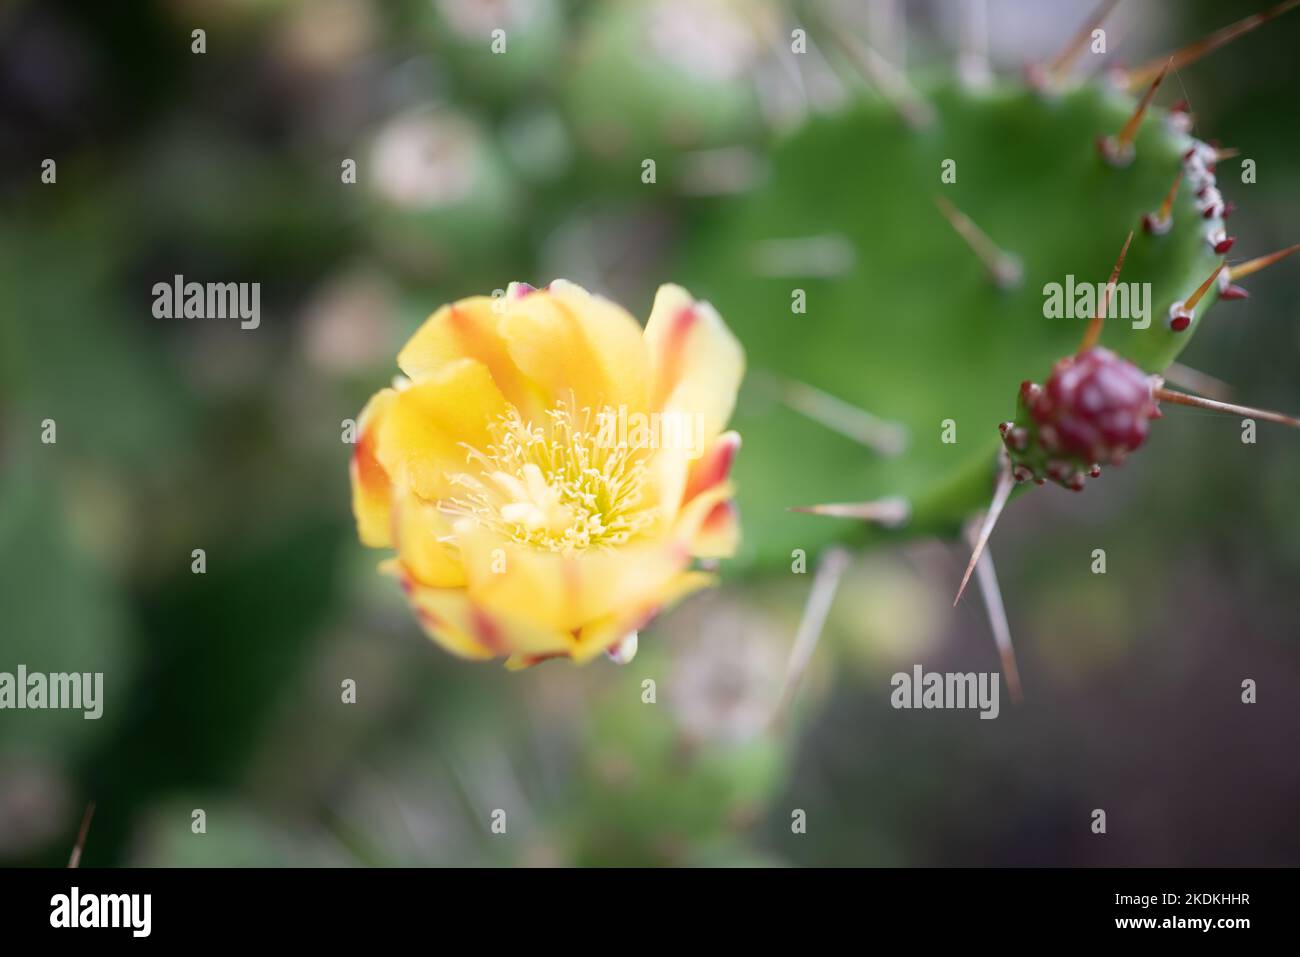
(562, 486)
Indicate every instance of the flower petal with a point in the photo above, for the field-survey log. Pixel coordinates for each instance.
(371, 486)
(519, 661)
(423, 438)
(690, 530)
(421, 532)
(468, 329)
(569, 341)
(603, 633)
(719, 534)
(696, 363)
(667, 475)
(560, 592)
(440, 613)
(456, 622)
(712, 467)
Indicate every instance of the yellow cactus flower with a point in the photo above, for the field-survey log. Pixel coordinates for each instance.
(547, 470)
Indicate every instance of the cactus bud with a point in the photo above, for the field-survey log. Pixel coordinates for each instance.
(1094, 409)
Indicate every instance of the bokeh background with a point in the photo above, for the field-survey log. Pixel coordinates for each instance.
(222, 690)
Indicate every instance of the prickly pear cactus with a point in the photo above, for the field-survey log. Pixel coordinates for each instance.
(909, 325)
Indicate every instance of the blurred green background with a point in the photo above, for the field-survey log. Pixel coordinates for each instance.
(222, 690)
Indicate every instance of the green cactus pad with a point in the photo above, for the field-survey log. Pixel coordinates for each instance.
(913, 330)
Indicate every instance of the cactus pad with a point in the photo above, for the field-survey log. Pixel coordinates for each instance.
(909, 327)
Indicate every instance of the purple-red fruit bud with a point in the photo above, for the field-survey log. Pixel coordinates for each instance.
(1095, 407)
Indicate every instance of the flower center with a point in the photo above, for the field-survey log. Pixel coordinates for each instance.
(563, 486)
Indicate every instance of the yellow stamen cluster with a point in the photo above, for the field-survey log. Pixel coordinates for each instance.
(561, 486)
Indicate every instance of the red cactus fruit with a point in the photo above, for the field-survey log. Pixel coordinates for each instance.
(1095, 407)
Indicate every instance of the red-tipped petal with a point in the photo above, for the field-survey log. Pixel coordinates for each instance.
(714, 466)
